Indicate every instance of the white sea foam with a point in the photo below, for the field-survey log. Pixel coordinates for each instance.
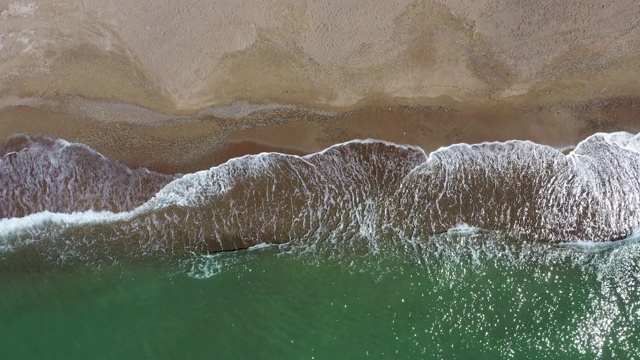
(463, 228)
(12, 226)
(260, 246)
(365, 142)
(198, 188)
(204, 266)
(347, 194)
(39, 173)
(593, 246)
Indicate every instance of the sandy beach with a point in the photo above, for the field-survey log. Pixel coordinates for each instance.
(133, 225)
(179, 86)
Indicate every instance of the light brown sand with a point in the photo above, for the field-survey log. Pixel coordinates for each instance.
(182, 85)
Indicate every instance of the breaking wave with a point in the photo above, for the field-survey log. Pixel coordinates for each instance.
(63, 201)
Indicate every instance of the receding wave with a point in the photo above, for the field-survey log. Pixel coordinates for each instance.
(361, 194)
(38, 173)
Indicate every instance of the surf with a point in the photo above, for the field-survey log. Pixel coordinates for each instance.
(63, 201)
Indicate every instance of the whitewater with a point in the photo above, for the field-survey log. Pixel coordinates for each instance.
(62, 201)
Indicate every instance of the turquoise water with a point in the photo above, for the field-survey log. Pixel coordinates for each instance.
(444, 300)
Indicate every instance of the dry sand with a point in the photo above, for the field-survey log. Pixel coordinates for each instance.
(178, 86)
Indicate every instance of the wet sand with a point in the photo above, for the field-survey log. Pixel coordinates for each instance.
(180, 86)
(181, 144)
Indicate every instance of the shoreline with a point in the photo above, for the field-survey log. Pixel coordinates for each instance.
(172, 144)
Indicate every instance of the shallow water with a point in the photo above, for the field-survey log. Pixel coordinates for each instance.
(464, 301)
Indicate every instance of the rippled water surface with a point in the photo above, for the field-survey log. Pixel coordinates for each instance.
(467, 297)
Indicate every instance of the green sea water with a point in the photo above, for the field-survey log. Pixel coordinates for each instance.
(451, 302)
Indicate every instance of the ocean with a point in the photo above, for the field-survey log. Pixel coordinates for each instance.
(367, 249)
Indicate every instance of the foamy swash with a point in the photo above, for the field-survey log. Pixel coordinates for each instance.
(75, 203)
